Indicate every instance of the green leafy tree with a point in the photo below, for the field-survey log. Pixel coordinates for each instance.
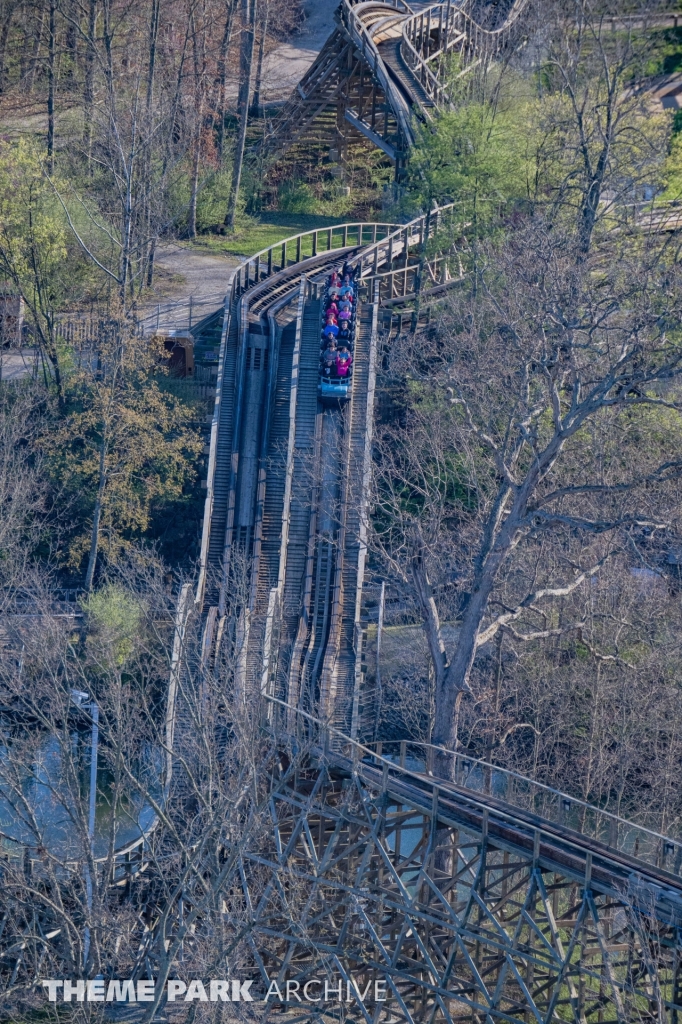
(37, 253)
(115, 619)
(474, 155)
(123, 449)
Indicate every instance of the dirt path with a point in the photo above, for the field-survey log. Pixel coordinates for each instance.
(181, 269)
(287, 63)
(188, 285)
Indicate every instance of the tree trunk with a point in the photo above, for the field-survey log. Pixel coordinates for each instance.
(222, 78)
(94, 537)
(127, 236)
(26, 47)
(456, 677)
(147, 263)
(52, 50)
(590, 206)
(150, 263)
(256, 105)
(107, 38)
(168, 152)
(153, 36)
(196, 163)
(53, 355)
(89, 84)
(247, 45)
(37, 39)
(4, 35)
(431, 620)
(199, 49)
(72, 42)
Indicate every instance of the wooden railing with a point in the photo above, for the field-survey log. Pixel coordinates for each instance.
(454, 30)
(412, 762)
(350, 18)
(380, 243)
(291, 252)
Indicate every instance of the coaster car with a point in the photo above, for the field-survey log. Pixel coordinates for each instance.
(334, 390)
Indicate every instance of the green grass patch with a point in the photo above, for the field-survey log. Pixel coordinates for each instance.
(253, 234)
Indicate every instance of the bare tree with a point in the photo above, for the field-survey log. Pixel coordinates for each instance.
(248, 37)
(527, 381)
(22, 487)
(221, 77)
(198, 21)
(189, 771)
(51, 81)
(600, 141)
(7, 11)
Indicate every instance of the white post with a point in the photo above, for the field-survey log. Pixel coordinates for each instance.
(377, 674)
(94, 711)
(181, 613)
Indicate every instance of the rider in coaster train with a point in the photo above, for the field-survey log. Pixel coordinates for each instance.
(338, 325)
(344, 361)
(347, 286)
(331, 327)
(345, 307)
(329, 359)
(334, 286)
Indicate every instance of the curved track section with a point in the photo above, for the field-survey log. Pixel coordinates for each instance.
(485, 898)
(384, 64)
(284, 538)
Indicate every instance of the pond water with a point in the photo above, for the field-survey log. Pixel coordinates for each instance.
(44, 802)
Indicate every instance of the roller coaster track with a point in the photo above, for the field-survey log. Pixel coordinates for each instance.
(288, 477)
(384, 64)
(488, 897)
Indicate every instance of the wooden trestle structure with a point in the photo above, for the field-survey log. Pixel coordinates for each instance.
(384, 65)
(487, 898)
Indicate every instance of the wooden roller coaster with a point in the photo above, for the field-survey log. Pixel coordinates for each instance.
(488, 898)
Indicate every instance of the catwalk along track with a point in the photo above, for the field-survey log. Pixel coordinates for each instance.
(283, 545)
(487, 898)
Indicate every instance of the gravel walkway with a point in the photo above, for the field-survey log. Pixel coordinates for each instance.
(284, 67)
(188, 285)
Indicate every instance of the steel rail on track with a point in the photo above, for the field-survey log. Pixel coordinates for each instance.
(272, 262)
(595, 842)
(280, 265)
(263, 284)
(556, 845)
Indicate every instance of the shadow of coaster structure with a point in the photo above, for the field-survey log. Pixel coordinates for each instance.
(384, 64)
